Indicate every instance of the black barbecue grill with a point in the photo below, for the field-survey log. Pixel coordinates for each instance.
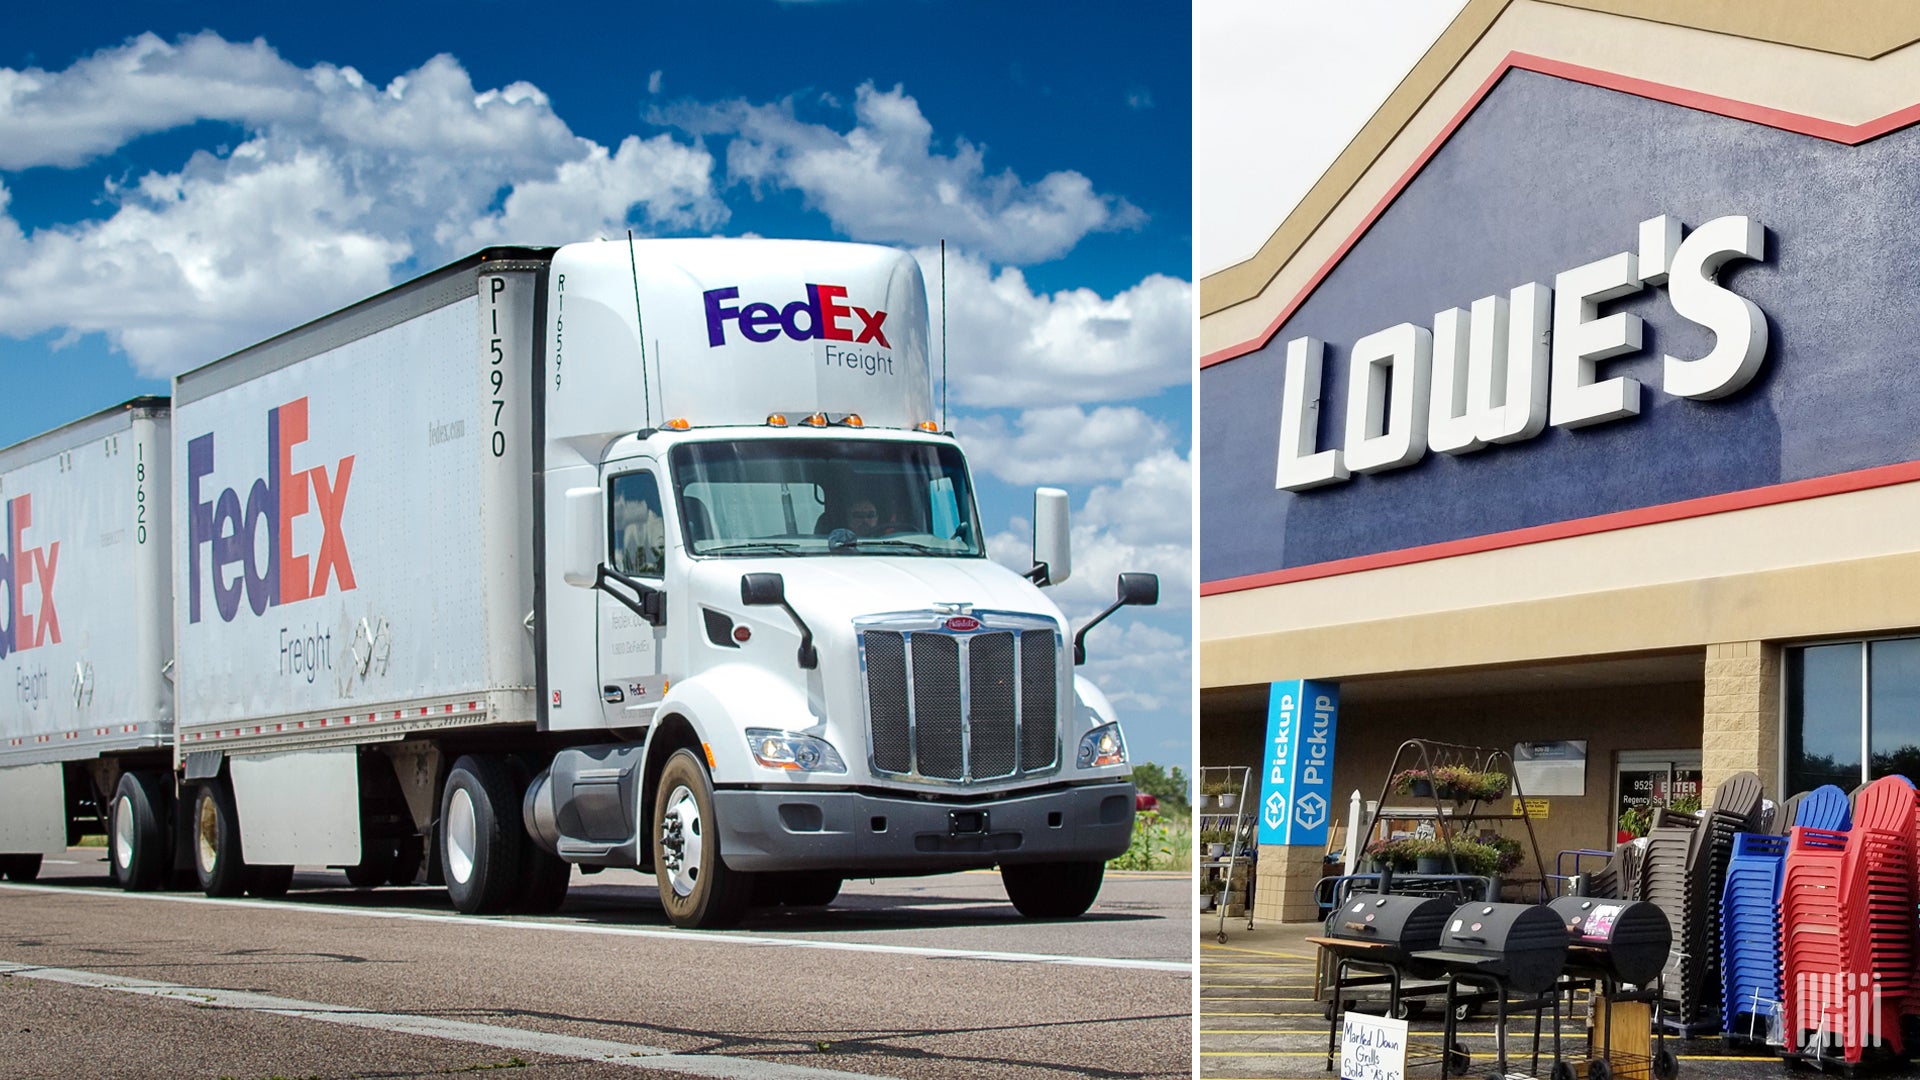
(1616, 942)
(1500, 949)
(1522, 946)
(1379, 929)
(1625, 940)
(1372, 939)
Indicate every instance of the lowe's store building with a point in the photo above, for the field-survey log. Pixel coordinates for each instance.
(1576, 412)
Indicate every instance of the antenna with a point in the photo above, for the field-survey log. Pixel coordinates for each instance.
(943, 333)
(639, 324)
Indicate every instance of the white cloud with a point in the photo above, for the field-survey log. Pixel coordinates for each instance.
(1144, 524)
(655, 80)
(885, 181)
(1142, 668)
(335, 183)
(1012, 347)
(1062, 444)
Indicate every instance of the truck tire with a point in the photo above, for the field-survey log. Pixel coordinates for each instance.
(137, 839)
(696, 887)
(1053, 890)
(216, 848)
(269, 882)
(20, 867)
(482, 842)
(799, 888)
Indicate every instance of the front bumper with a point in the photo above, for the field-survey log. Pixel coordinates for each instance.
(851, 831)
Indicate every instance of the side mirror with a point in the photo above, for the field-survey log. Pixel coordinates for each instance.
(580, 530)
(1139, 590)
(759, 589)
(1052, 538)
(771, 590)
(1136, 590)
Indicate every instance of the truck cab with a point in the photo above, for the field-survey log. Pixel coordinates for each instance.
(780, 606)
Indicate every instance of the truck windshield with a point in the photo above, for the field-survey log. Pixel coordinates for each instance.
(824, 497)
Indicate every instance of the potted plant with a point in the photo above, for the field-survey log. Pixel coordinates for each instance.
(1212, 791)
(1415, 782)
(1462, 784)
(1507, 851)
(1215, 841)
(1229, 795)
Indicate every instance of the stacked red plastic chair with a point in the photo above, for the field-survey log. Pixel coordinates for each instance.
(1848, 934)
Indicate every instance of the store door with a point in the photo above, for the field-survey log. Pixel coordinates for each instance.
(1645, 780)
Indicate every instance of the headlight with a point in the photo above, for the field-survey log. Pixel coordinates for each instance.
(1103, 746)
(796, 753)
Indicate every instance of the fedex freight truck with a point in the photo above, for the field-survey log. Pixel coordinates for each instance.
(636, 554)
(86, 636)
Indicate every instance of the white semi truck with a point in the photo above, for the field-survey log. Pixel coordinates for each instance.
(635, 554)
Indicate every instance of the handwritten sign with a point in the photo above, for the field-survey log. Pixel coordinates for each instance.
(1373, 1048)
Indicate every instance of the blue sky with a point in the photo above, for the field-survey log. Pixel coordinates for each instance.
(178, 180)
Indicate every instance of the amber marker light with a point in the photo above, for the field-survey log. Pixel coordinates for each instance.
(776, 420)
(853, 420)
(818, 419)
(928, 425)
(678, 423)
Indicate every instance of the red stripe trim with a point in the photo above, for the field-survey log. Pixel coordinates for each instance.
(1833, 131)
(1771, 495)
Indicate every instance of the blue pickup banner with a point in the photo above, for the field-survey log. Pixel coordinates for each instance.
(1296, 790)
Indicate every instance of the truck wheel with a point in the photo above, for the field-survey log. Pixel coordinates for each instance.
(20, 867)
(137, 839)
(482, 842)
(216, 848)
(269, 882)
(1053, 890)
(696, 887)
(799, 888)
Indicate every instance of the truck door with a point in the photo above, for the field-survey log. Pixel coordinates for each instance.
(631, 679)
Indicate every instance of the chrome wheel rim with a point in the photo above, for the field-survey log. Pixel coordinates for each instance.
(463, 834)
(206, 834)
(682, 844)
(123, 832)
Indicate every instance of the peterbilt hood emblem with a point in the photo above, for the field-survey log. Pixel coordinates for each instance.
(962, 623)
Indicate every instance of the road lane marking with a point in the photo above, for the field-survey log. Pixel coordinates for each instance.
(700, 936)
(494, 1035)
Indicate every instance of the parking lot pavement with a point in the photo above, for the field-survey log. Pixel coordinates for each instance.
(1260, 1019)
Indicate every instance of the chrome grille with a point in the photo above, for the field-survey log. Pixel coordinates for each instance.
(959, 706)
(990, 700)
(1039, 699)
(939, 740)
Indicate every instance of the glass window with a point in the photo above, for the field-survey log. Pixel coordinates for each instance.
(825, 496)
(639, 532)
(1893, 707)
(1823, 716)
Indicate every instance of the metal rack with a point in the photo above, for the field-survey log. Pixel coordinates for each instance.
(1240, 819)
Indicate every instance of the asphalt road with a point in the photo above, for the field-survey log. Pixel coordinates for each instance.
(913, 978)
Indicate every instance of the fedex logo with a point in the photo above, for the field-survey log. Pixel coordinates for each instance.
(826, 316)
(20, 567)
(274, 502)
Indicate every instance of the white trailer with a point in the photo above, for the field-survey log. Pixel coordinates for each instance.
(86, 637)
(619, 554)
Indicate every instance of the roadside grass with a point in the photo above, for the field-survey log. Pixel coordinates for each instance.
(1162, 840)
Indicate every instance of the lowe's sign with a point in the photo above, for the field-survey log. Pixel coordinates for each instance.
(1296, 791)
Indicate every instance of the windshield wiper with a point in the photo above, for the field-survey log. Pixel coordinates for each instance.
(775, 547)
(911, 545)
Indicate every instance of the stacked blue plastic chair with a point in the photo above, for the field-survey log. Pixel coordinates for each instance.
(1750, 912)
